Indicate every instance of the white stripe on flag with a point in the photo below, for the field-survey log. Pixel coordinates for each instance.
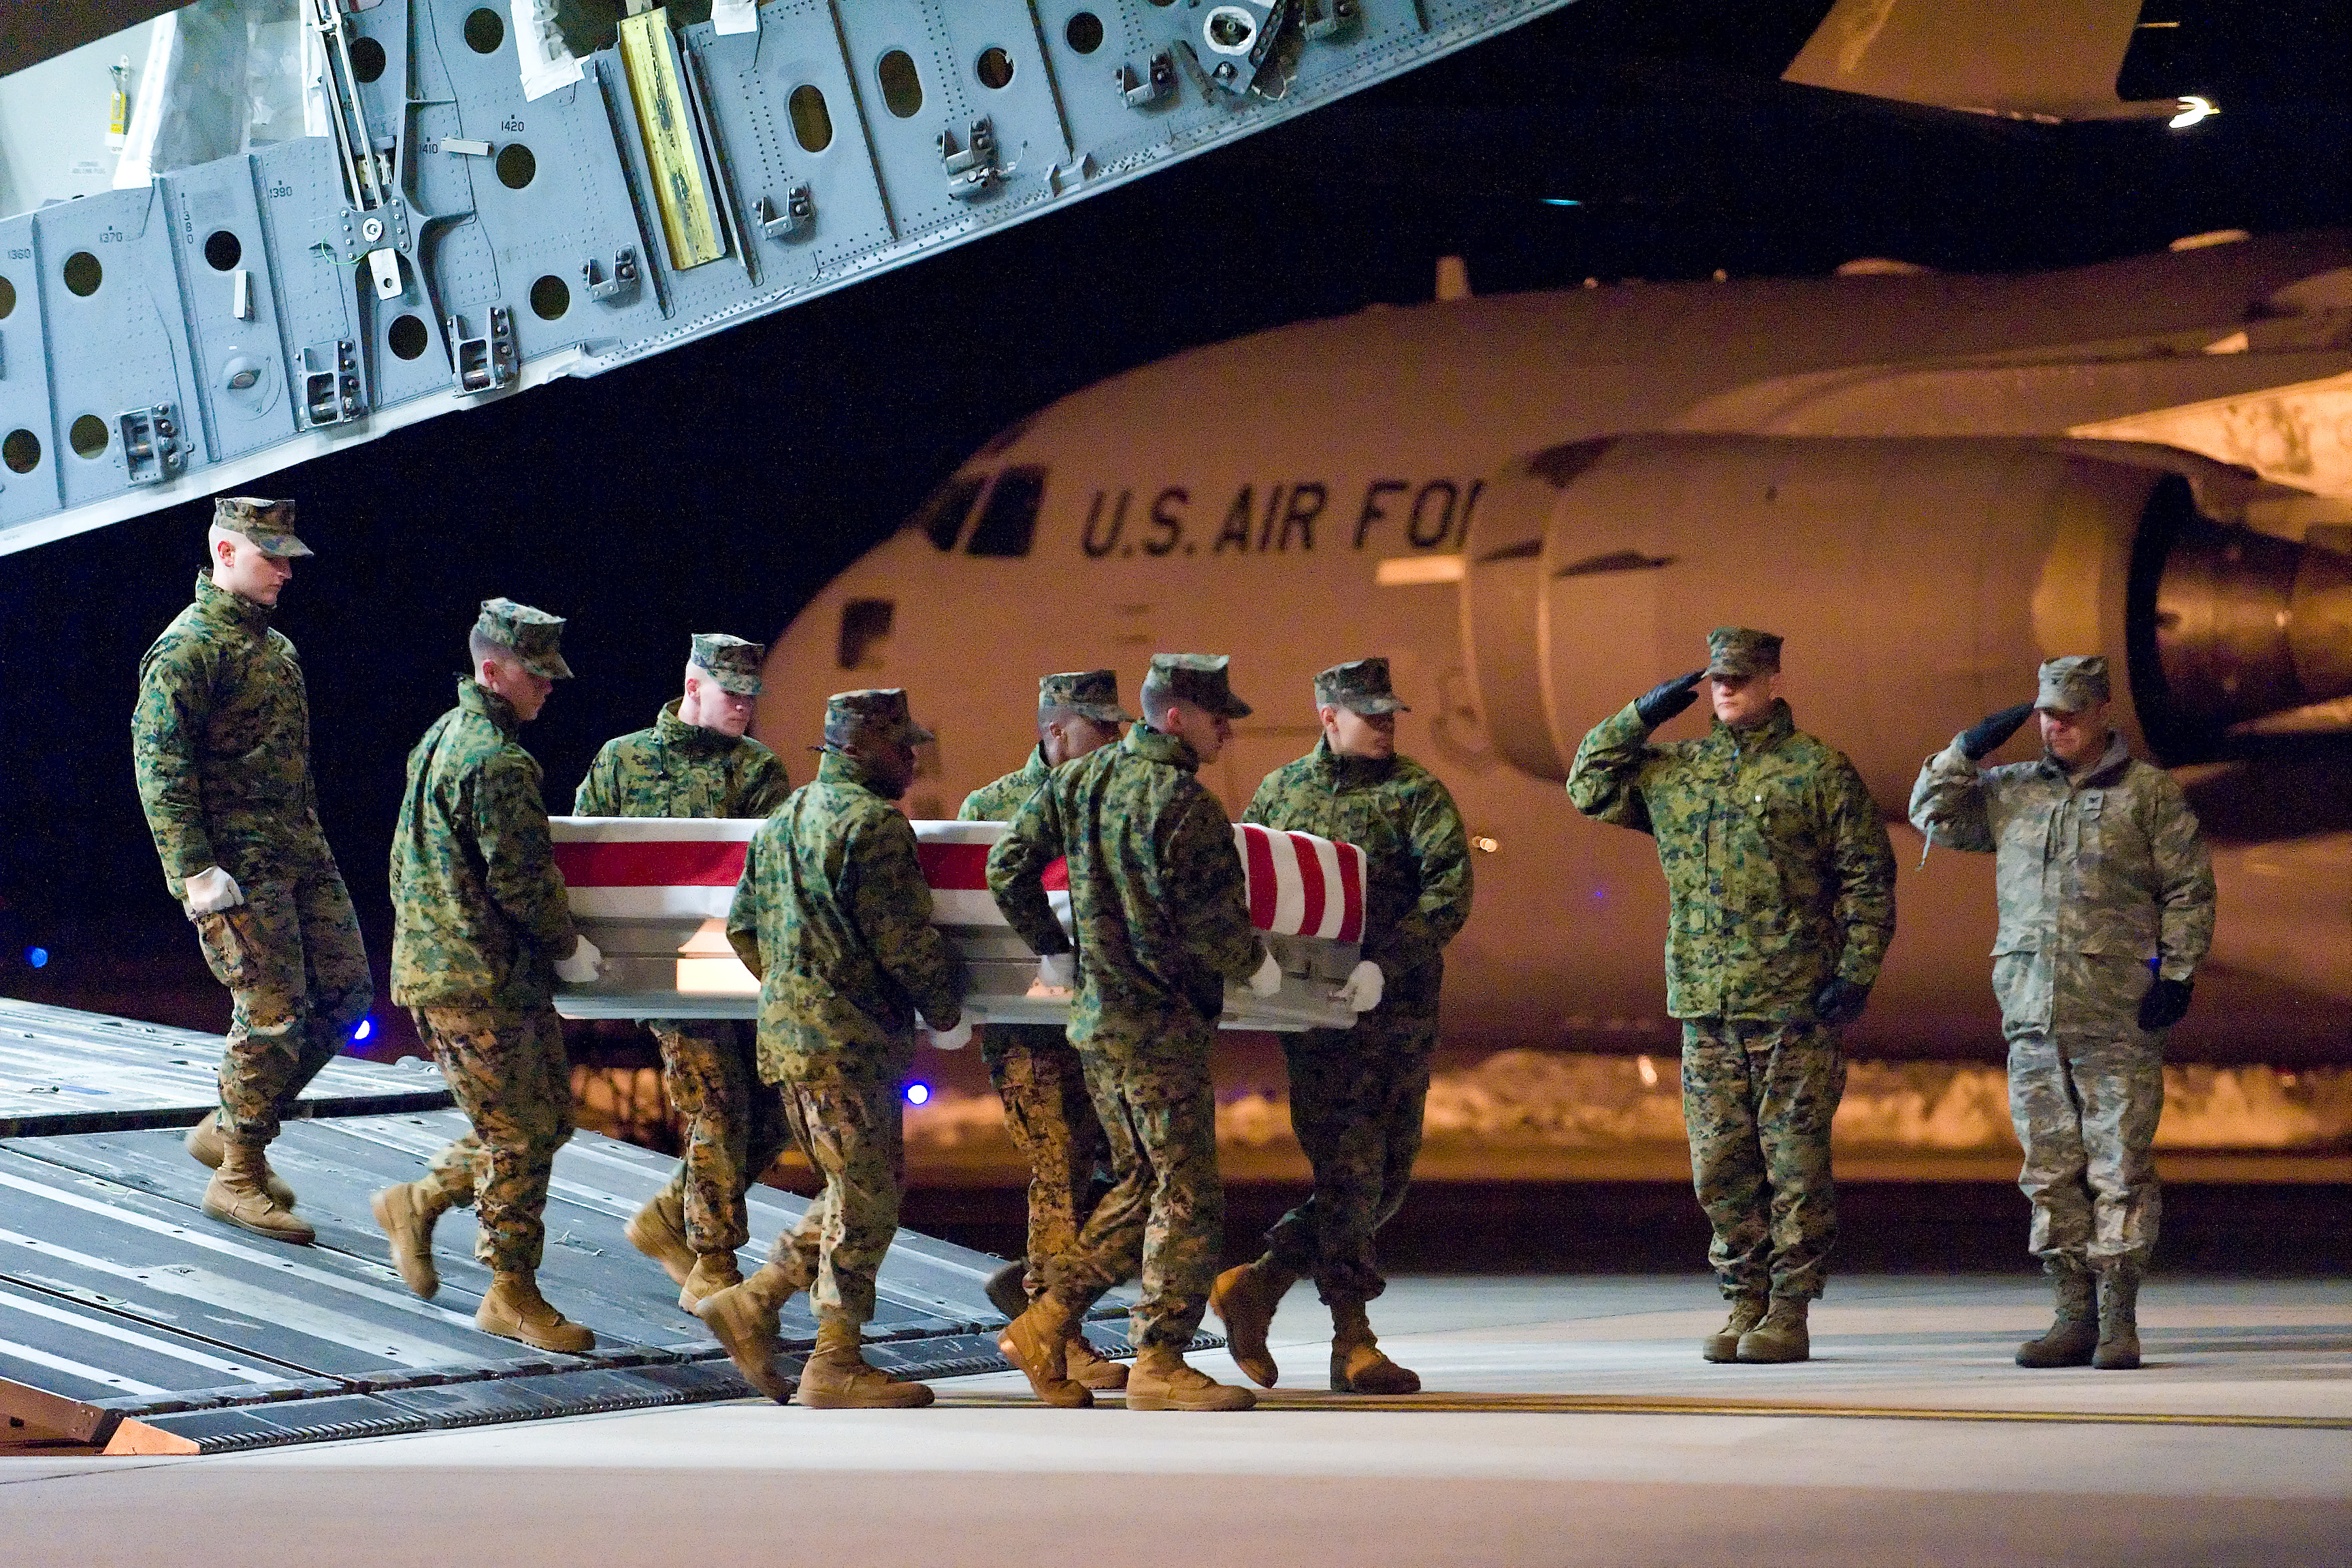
(1290, 888)
(1334, 897)
(653, 903)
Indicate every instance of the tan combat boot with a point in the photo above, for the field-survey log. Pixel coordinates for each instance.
(742, 1318)
(1038, 1342)
(1089, 1369)
(203, 1146)
(659, 1230)
(406, 1212)
(514, 1310)
(1722, 1345)
(235, 1194)
(1163, 1380)
(1781, 1336)
(1357, 1366)
(2075, 1333)
(712, 1272)
(1245, 1298)
(838, 1377)
(1007, 1289)
(2118, 1347)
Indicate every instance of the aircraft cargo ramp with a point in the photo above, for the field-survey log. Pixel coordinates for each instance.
(130, 1321)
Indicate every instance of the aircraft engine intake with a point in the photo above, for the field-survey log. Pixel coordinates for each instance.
(1917, 582)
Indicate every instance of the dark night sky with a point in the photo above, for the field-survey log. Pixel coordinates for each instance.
(718, 485)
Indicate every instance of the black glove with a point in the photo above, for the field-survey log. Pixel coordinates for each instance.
(2165, 1003)
(1839, 1001)
(1990, 734)
(1661, 703)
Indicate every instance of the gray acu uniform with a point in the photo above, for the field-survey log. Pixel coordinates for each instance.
(2104, 886)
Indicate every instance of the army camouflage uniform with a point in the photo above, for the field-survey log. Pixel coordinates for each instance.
(835, 917)
(1779, 876)
(1356, 1095)
(1162, 918)
(734, 1126)
(2105, 886)
(479, 916)
(220, 743)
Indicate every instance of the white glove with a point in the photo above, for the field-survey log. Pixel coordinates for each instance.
(211, 890)
(584, 964)
(1362, 993)
(1058, 971)
(953, 1039)
(1268, 978)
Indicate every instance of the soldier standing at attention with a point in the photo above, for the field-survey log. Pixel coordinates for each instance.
(833, 917)
(2107, 907)
(1356, 1095)
(1034, 1065)
(1781, 890)
(220, 741)
(695, 761)
(1162, 916)
(481, 930)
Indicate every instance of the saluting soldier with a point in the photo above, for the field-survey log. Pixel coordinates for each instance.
(1034, 1065)
(833, 917)
(2105, 891)
(481, 931)
(695, 761)
(1161, 912)
(1356, 1095)
(220, 741)
(1781, 897)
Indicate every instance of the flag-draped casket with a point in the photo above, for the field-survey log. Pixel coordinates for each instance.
(653, 894)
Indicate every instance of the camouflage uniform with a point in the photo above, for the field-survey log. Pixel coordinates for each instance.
(1779, 877)
(220, 743)
(1356, 1095)
(2104, 886)
(479, 916)
(734, 1125)
(834, 916)
(1162, 919)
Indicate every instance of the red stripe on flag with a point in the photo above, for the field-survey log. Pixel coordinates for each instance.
(1351, 891)
(1056, 877)
(1310, 882)
(652, 863)
(1263, 890)
(963, 869)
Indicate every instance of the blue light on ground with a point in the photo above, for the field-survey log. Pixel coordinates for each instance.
(1562, 202)
(38, 957)
(918, 1094)
(367, 1027)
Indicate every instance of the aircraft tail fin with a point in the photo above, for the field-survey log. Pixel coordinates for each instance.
(2020, 59)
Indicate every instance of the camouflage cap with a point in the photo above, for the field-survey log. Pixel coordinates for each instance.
(871, 713)
(268, 523)
(731, 661)
(1196, 677)
(535, 635)
(1090, 693)
(1740, 652)
(1360, 685)
(2070, 684)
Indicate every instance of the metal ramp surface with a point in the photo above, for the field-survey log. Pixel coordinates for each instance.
(130, 1319)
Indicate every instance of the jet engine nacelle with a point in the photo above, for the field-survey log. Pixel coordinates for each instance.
(1917, 582)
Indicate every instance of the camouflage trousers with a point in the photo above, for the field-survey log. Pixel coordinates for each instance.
(847, 1116)
(1356, 1101)
(2086, 1110)
(1052, 1121)
(508, 1073)
(1757, 1098)
(298, 980)
(735, 1125)
(1164, 1217)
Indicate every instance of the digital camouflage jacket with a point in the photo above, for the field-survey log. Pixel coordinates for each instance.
(833, 917)
(478, 910)
(1157, 890)
(1404, 820)
(220, 745)
(997, 802)
(677, 769)
(1778, 872)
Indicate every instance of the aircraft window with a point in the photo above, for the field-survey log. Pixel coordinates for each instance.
(994, 67)
(222, 249)
(549, 298)
(8, 298)
(864, 623)
(812, 122)
(484, 31)
(406, 337)
(1010, 519)
(82, 273)
(367, 58)
(1084, 32)
(941, 516)
(902, 89)
(517, 167)
(21, 451)
(87, 435)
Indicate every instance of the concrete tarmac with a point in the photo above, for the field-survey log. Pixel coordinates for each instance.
(1568, 1420)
